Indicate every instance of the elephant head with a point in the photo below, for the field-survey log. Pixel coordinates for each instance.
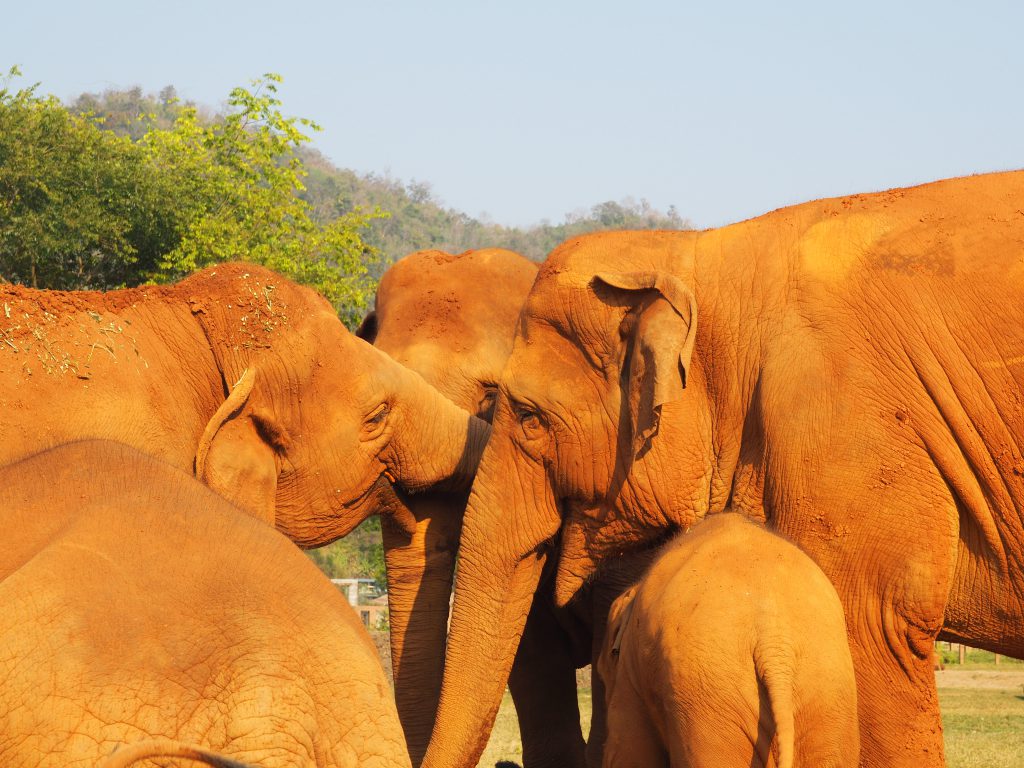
(450, 318)
(602, 398)
(317, 429)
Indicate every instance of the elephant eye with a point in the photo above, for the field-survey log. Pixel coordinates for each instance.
(530, 421)
(378, 414)
(485, 410)
(374, 423)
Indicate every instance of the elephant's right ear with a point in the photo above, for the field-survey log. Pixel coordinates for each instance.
(618, 617)
(367, 330)
(660, 330)
(237, 453)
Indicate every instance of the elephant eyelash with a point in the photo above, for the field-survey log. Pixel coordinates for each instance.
(378, 414)
(485, 409)
(527, 415)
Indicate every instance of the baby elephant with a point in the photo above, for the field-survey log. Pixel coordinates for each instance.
(732, 651)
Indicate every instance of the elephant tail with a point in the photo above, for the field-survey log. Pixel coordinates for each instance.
(774, 667)
(126, 756)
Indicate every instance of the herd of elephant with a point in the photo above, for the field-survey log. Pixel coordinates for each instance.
(751, 473)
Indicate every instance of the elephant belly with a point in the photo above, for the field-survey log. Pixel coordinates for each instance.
(985, 608)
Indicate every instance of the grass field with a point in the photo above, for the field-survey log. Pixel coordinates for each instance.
(984, 728)
(982, 718)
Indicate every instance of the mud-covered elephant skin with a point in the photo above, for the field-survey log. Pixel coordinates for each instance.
(731, 652)
(243, 377)
(137, 604)
(848, 370)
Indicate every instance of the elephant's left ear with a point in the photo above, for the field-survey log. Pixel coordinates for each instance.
(237, 454)
(367, 330)
(660, 330)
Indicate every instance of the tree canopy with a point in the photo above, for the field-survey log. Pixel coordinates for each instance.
(84, 207)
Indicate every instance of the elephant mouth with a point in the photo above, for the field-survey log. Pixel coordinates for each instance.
(398, 507)
(381, 497)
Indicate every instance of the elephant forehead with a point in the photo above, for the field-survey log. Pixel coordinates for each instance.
(440, 313)
(548, 366)
(479, 286)
(569, 315)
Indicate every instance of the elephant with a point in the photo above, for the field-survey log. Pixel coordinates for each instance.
(848, 370)
(431, 315)
(137, 604)
(731, 651)
(451, 318)
(242, 377)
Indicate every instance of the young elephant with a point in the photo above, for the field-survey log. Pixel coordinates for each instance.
(732, 651)
(136, 604)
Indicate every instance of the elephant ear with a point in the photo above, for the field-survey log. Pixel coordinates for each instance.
(659, 330)
(367, 330)
(238, 452)
(618, 617)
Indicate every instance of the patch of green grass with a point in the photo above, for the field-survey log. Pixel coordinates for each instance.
(983, 728)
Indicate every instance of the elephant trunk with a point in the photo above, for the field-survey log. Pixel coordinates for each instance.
(502, 554)
(420, 568)
(438, 447)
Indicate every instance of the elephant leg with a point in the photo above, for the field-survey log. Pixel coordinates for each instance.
(543, 687)
(420, 566)
(898, 708)
(598, 720)
(615, 579)
(633, 740)
(891, 641)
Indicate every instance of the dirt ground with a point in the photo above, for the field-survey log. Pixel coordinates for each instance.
(980, 678)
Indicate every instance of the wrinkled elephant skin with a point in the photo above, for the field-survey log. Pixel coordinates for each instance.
(243, 377)
(135, 604)
(730, 604)
(848, 370)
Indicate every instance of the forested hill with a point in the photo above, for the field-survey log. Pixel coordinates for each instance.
(415, 219)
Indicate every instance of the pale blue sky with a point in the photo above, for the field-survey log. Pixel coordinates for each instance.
(529, 110)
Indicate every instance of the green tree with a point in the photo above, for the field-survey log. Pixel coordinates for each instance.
(357, 556)
(67, 193)
(237, 183)
(84, 207)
